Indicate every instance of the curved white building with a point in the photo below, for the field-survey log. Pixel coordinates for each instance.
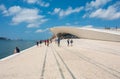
(89, 33)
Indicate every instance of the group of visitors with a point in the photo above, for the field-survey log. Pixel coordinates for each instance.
(47, 42)
(39, 43)
(58, 40)
(69, 42)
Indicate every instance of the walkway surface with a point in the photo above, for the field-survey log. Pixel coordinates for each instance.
(86, 59)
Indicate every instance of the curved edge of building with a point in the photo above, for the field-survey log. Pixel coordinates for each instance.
(89, 33)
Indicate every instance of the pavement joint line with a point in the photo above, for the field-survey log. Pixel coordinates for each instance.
(44, 64)
(65, 65)
(99, 63)
(87, 60)
(58, 64)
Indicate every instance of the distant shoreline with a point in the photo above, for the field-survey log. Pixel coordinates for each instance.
(4, 38)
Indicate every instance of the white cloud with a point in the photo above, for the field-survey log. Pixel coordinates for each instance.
(67, 24)
(57, 10)
(31, 1)
(69, 11)
(3, 9)
(25, 15)
(66, 12)
(41, 30)
(13, 10)
(96, 4)
(44, 4)
(37, 24)
(111, 13)
(33, 25)
(87, 26)
(85, 15)
(39, 2)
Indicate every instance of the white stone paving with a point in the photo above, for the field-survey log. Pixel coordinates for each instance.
(86, 59)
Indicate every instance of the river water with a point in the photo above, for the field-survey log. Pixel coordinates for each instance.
(7, 46)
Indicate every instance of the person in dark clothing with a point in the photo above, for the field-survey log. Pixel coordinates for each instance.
(17, 50)
(68, 41)
(40, 42)
(71, 41)
(37, 43)
(47, 42)
(58, 41)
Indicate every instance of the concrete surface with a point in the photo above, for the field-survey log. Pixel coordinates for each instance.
(86, 59)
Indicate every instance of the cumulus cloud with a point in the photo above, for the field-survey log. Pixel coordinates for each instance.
(41, 30)
(111, 13)
(25, 15)
(13, 10)
(96, 4)
(66, 12)
(3, 8)
(39, 2)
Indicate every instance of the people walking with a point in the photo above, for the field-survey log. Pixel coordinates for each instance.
(68, 41)
(71, 41)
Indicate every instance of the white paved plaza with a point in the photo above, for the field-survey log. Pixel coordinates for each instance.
(86, 59)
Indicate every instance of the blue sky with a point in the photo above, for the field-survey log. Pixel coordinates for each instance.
(31, 19)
